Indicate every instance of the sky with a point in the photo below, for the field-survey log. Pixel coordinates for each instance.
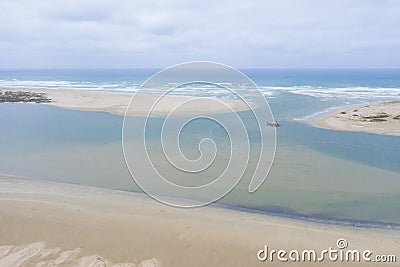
(243, 34)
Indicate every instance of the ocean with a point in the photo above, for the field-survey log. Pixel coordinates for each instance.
(318, 174)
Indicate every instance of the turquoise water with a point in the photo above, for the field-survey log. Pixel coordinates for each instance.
(318, 174)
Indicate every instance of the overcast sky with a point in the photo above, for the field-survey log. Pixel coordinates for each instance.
(120, 34)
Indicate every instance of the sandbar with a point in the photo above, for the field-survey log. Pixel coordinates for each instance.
(378, 118)
(117, 103)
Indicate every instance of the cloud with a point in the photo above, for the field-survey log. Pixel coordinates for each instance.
(112, 34)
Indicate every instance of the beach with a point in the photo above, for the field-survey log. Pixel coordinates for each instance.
(47, 223)
(117, 103)
(379, 118)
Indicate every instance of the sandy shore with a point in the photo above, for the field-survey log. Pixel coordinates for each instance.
(116, 103)
(51, 224)
(379, 118)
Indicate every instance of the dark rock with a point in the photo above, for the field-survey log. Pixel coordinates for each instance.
(23, 97)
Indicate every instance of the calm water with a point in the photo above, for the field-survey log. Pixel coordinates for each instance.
(318, 174)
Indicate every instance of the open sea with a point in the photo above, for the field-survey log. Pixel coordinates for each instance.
(318, 174)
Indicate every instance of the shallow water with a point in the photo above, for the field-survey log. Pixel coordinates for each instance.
(317, 173)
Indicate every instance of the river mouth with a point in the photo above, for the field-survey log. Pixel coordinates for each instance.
(317, 173)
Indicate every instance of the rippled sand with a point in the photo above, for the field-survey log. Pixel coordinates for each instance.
(38, 254)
